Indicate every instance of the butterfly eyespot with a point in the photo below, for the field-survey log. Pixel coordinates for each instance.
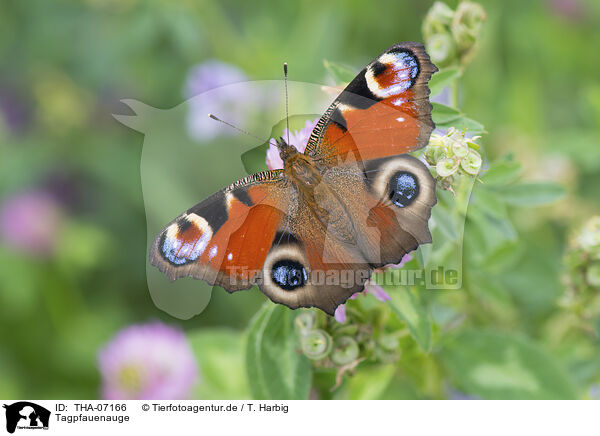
(403, 188)
(288, 274)
(185, 240)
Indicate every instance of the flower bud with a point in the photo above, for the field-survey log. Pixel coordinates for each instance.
(592, 275)
(446, 183)
(466, 24)
(304, 323)
(589, 237)
(389, 342)
(441, 48)
(436, 140)
(446, 167)
(435, 149)
(316, 344)
(345, 350)
(460, 149)
(583, 261)
(472, 163)
(438, 19)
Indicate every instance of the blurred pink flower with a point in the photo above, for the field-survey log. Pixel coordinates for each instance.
(148, 361)
(227, 102)
(405, 259)
(340, 314)
(298, 139)
(371, 288)
(30, 222)
(211, 74)
(573, 10)
(340, 311)
(14, 112)
(376, 291)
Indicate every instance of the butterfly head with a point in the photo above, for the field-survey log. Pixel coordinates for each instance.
(286, 151)
(297, 165)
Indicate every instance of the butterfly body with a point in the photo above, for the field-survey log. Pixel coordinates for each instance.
(321, 202)
(311, 233)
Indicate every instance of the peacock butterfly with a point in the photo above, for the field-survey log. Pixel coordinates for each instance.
(310, 234)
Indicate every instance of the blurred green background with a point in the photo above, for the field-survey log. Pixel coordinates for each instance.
(64, 66)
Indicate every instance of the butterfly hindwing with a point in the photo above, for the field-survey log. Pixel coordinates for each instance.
(390, 200)
(355, 221)
(306, 268)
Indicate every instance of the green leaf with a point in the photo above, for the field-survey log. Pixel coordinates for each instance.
(535, 280)
(489, 292)
(491, 231)
(406, 305)
(423, 254)
(491, 215)
(501, 173)
(445, 222)
(532, 194)
(368, 383)
(444, 115)
(221, 359)
(469, 125)
(443, 78)
(341, 74)
(487, 203)
(495, 365)
(275, 367)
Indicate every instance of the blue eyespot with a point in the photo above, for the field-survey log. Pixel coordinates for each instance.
(288, 274)
(411, 62)
(403, 188)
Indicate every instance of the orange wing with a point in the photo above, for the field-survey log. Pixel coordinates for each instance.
(383, 112)
(225, 239)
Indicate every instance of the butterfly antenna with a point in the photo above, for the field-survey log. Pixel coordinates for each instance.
(214, 117)
(287, 114)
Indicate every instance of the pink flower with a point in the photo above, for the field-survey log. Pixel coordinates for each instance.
(227, 102)
(14, 113)
(211, 74)
(148, 361)
(30, 222)
(405, 259)
(573, 10)
(340, 313)
(372, 288)
(298, 139)
(376, 291)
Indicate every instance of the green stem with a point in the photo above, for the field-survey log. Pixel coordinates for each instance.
(454, 93)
